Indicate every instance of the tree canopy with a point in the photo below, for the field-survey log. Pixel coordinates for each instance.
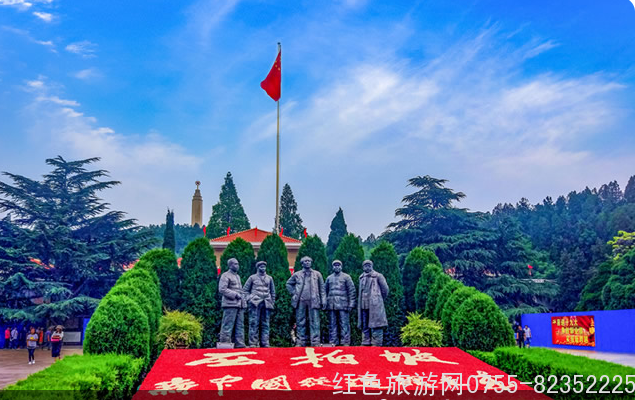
(290, 220)
(228, 212)
(337, 233)
(61, 247)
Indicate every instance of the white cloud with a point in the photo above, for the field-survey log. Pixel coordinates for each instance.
(27, 35)
(22, 4)
(87, 74)
(84, 48)
(155, 172)
(206, 15)
(46, 17)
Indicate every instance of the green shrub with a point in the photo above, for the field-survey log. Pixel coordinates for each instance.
(243, 251)
(413, 266)
(428, 276)
(200, 287)
(118, 325)
(141, 299)
(421, 332)
(164, 264)
(145, 280)
(142, 270)
(433, 294)
(480, 325)
(449, 310)
(444, 296)
(179, 329)
(274, 253)
(103, 376)
(386, 262)
(528, 364)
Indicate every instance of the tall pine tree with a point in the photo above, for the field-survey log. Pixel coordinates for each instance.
(61, 244)
(338, 231)
(169, 238)
(290, 220)
(228, 212)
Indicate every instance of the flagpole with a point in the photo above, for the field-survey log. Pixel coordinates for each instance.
(278, 156)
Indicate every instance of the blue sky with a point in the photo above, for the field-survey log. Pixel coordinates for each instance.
(504, 99)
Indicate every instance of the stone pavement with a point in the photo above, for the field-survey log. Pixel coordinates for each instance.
(617, 358)
(14, 364)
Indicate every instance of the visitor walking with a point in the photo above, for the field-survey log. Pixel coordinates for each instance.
(47, 337)
(31, 344)
(520, 336)
(527, 336)
(56, 343)
(7, 338)
(14, 338)
(22, 337)
(40, 337)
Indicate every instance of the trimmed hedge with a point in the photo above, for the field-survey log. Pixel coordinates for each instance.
(433, 294)
(178, 328)
(528, 364)
(164, 264)
(104, 376)
(142, 270)
(449, 310)
(118, 325)
(142, 299)
(479, 324)
(146, 281)
(444, 296)
(421, 332)
(428, 276)
(414, 264)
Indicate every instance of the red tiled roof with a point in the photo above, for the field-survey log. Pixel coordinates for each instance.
(253, 235)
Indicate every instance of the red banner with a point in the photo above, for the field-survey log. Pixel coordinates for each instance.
(328, 372)
(575, 330)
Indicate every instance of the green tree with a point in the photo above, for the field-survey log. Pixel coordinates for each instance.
(78, 246)
(416, 260)
(169, 240)
(290, 220)
(184, 234)
(274, 253)
(453, 303)
(313, 247)
(622, 244)
(591, 297)
(433, 295)
(629, 191)
(619, 291)
(163, 262)
(351, 254)
(424, 284)
(200, 287)
(385, 261)
(228, 212)
(338, 231)
(444, 296)
(243, 251)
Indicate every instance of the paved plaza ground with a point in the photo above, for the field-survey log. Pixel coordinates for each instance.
(617, 358)
(14, 364)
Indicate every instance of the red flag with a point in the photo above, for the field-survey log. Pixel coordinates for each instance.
(228, 228)
(271, 84)
(204, 231)
(281, 230)
(304, 232)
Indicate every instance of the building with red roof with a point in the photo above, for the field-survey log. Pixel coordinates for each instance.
(255, 236)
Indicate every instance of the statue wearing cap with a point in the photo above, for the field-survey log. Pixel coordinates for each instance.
(373, 290)
(233, 305)
(340, 300)
(307, 297)
(261, 296)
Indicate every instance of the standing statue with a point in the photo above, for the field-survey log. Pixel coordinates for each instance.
(373, 290)
(233, 305)
(261, 296)
(307, 296)
(340, 300)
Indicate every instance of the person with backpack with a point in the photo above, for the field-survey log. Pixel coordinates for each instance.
(31, 345)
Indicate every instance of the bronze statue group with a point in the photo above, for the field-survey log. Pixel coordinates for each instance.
(309, 295)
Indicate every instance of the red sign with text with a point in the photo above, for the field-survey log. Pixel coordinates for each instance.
(575, 330)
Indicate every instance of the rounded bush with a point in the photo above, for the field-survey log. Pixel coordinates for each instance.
(120, 326)
(444, 296)
(142, 299)
(142, 269)
(179, 329)
(163, 262)
(453, 303)
(427, 278)
(421, 332)
(147, 282)
(413, 265)
(480, 325)
(433, 294)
